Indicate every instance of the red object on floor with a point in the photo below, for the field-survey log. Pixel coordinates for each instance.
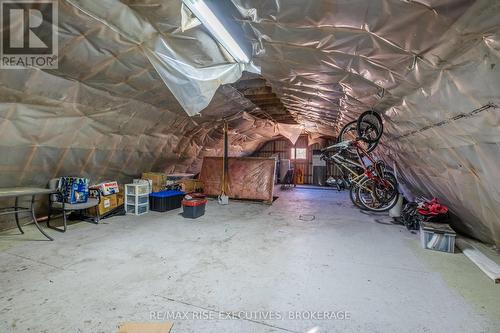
(197, 195)
(433, 207)
(194, 202)
(193, 208)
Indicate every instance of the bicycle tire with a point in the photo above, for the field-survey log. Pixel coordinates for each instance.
(382, 207)
(354, 198)
(350, 132)
(374, 121)
(392, 179)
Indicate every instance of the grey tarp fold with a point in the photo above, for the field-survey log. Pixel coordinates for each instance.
(132, 72)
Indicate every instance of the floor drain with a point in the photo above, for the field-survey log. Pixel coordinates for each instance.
(307, 218)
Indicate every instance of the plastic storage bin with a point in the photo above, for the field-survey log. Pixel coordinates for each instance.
(193, 208)
(165, 200)
(437, 236)
(137, 198)
(137, 189)
(141, 199)
(137, 210)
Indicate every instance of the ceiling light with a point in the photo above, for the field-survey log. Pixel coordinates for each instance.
(216, 28)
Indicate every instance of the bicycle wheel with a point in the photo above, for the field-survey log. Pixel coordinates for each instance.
(350, 132)
(353, 195)
(385, 195)
(377, 197)
(370, 127)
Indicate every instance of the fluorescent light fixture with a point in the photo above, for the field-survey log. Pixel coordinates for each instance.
(212, 23)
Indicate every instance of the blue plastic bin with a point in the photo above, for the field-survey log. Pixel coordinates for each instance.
(165, 200)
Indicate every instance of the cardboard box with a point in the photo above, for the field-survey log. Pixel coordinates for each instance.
(94, 192)
(191, 185)
(107, 204)
(120, 196)
(120, 199)
(158, 180)
(108, 188)
(157, 188)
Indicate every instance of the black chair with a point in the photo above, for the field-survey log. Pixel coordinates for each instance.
(288, 180)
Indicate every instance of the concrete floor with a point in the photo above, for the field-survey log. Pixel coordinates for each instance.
(309, 251)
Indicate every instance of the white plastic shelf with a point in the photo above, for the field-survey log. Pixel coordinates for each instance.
(137, 198)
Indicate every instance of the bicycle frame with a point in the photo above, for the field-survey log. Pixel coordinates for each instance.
(345, 162)
(349, 166)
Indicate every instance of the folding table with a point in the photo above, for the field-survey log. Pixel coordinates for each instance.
(16, 192)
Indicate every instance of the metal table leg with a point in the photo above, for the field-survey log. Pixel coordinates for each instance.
(34, 218)
(50, 213)
(17, 216)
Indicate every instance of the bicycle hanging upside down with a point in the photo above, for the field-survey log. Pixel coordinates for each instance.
(373, 187)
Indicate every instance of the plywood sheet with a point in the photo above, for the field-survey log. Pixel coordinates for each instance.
(248, 177)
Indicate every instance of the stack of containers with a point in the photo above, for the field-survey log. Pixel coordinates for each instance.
(137, 198)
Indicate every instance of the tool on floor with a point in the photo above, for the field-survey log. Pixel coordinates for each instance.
(223, 198)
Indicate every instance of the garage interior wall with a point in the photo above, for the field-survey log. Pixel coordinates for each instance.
(139, 88)
(280, 148)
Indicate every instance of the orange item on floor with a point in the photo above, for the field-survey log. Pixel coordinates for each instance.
(299, 176)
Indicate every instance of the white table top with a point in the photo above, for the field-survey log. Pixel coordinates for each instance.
(23, 191)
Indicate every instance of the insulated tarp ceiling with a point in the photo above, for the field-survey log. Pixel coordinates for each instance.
(132, 72)
(431, 67)
(108, 111)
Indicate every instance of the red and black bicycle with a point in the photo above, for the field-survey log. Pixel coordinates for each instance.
(373, 186)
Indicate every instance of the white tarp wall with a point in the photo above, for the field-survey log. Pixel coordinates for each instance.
(423, 64)
(129, 75)
(107, 112)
